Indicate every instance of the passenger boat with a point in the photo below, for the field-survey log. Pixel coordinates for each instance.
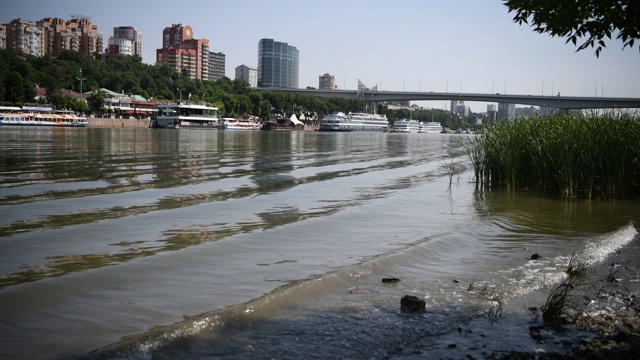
(238, 124)
(291, 123)
(406, 126)
(40, 115)
(354, 122)
(430, 127)
(175, 116)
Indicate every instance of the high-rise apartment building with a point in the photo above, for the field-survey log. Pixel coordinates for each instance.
(278, 64)
(126, 40)
(182, 52)
(24, 36)
(77, 34)
(217, 61)
(506, 111)
(250, 75)
(50, 36)
(327, 82)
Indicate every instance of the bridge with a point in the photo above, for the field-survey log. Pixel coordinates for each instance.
(558, 102)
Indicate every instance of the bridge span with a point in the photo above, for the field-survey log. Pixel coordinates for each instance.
(558, 102)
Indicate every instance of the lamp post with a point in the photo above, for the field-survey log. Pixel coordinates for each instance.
(81, 79)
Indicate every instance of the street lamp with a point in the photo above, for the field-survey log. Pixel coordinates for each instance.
(81, 79)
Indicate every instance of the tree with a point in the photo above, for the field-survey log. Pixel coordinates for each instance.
(592, 20)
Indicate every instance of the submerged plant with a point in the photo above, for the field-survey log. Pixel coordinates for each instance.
(592, 156)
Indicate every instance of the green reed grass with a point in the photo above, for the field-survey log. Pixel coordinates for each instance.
(573, 155)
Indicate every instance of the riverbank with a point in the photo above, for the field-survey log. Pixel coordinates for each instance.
(606, 325)
(141, 123)
(116, 122)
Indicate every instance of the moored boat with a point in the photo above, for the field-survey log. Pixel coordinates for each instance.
(406, 126)
(354, 122)
(430, 127)
(175, 116)
(40, 115)
(238, 124)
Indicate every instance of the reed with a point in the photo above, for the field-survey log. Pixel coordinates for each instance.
(574, 155)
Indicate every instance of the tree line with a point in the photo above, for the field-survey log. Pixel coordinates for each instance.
(21, 74)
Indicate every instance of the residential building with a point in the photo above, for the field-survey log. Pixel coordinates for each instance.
(3, 36)
(217, 61)
(24, 36)
(278, 64)
(506, 111)
(250, 75)
(458, 107)
(184, 53)
(77, 34)
(126, 40)
(327, 82)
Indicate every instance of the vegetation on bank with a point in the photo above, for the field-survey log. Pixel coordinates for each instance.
(20, 73)
(572, 155)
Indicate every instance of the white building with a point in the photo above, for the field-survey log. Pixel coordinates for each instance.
(126, 40)
(250, 75)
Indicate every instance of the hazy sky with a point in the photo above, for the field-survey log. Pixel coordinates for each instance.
(428, 45)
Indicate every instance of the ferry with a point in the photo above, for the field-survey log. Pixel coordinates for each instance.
(40, 115)
(239, 124)
(406, 126)
(430, 127)
(174, 116)
(354, 122)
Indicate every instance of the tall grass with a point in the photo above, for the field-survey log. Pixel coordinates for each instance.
(573, 155)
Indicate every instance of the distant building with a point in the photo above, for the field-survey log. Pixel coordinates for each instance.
(24, 36)
(126, 40)
(491, 111)
(327, 82)
(458, 107)
(217, 67)
(278, 64)
(50, 36)
(506, 111)
(182, 52)
(526, 111)
(77, 34)
(247, 74)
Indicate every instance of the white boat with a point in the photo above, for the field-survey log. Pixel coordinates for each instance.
(406, 126)
(174, 116)
(40, 115)
(354, 122)
(239, 124)
(430, 127)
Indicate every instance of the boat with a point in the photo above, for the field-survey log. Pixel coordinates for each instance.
(40, 115)
(354, 122)
(406, 126)
(239, 124)
(176, 115)
(430, 127)
(291, 123)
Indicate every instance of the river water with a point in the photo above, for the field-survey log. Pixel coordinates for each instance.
(146, 243)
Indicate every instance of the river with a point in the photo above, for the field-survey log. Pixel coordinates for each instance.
(135, 243)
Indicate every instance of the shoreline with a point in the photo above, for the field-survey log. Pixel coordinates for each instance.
(606, 323)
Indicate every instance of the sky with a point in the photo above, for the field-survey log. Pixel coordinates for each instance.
(470, 46)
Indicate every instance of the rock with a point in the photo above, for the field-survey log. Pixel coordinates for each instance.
(390, 280)
(410, 304)
(535, 256)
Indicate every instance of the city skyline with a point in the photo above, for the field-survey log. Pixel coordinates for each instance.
(454, 46)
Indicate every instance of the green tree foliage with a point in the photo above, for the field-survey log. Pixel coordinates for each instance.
(590, 20)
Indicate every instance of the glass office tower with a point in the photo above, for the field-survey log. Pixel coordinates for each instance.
(277, 64)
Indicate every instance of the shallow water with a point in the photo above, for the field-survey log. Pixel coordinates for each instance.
(139, 243)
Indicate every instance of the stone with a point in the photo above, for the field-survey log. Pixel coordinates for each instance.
(410, 304)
